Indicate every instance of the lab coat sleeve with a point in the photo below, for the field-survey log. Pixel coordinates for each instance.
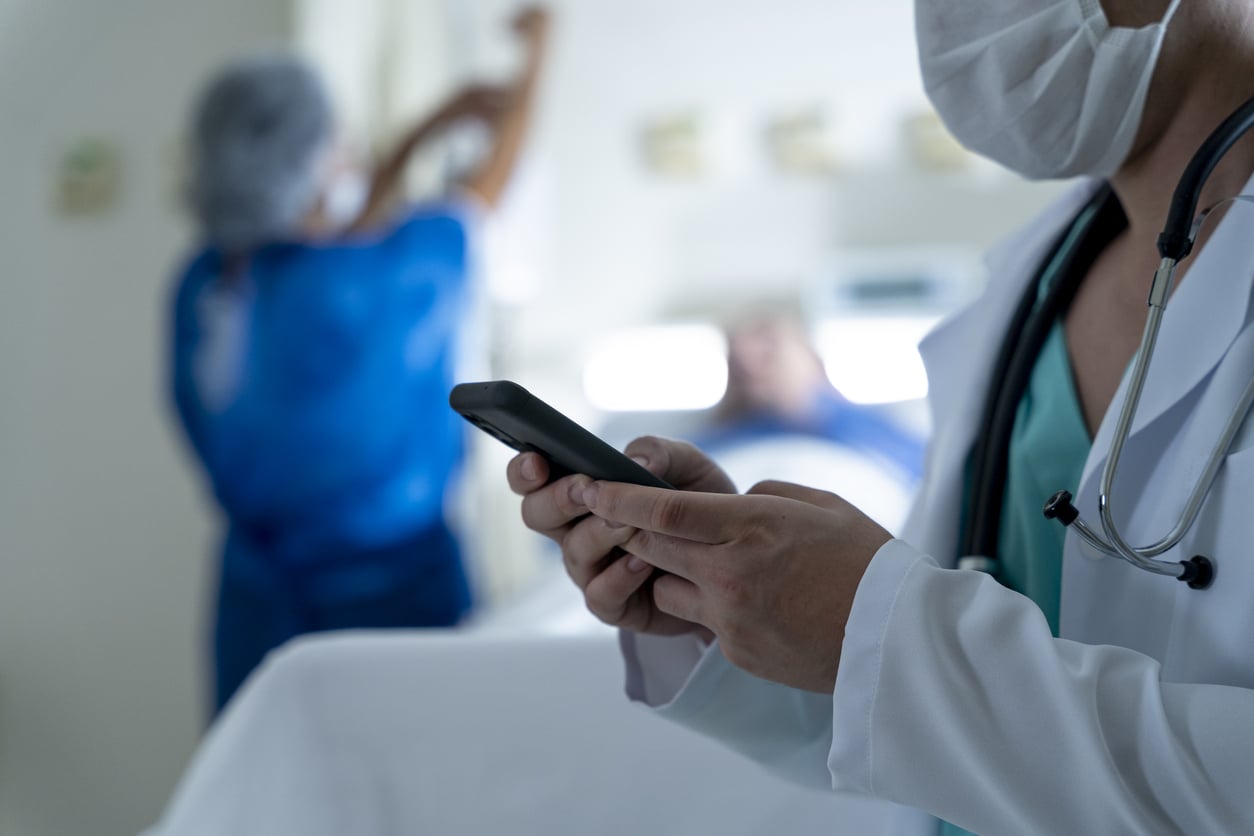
(786, 730)
(954, 697)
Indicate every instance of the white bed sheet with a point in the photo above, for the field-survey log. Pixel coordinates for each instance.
(496, 730)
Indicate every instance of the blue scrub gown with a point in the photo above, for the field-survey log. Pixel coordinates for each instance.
(331, 444)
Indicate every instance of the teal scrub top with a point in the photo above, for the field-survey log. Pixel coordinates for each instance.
(1048, 448)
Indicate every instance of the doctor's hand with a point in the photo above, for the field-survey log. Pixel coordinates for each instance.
(617, 587)
(772, 573)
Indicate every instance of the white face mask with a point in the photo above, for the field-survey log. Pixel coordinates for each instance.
(1047, 88)
(345, 197)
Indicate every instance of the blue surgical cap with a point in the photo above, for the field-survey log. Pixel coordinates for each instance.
(257, 134)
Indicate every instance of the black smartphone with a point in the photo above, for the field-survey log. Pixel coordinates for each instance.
(503, 409)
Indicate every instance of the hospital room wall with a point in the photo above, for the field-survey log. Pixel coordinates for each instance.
(741, 226)
(104, 535)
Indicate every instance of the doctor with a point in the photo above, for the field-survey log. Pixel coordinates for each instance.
(1071, 692)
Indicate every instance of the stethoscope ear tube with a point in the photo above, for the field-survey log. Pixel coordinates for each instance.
(1176, 241)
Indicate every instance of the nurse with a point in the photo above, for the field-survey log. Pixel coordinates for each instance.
(314, 343)
(1070, 692)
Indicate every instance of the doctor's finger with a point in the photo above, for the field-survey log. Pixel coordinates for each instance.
(555, 505)
(801, 493)
(681, 464)
(695, 562)
(587, 545)
(526, 472)
(702, 517)
(610, 594)
(683, 599)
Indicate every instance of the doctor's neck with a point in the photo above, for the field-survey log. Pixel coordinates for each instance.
(1205, 72)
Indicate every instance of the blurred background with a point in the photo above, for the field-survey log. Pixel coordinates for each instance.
(690, 161)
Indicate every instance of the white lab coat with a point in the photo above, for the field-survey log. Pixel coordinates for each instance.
(953, 696)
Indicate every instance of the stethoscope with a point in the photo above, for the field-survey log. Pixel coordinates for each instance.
(1030, 325)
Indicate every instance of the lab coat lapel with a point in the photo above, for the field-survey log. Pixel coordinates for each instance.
(1203, 317)
(1196, 377)
(959, 356)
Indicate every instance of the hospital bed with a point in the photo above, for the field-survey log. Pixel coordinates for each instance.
(515, 726)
